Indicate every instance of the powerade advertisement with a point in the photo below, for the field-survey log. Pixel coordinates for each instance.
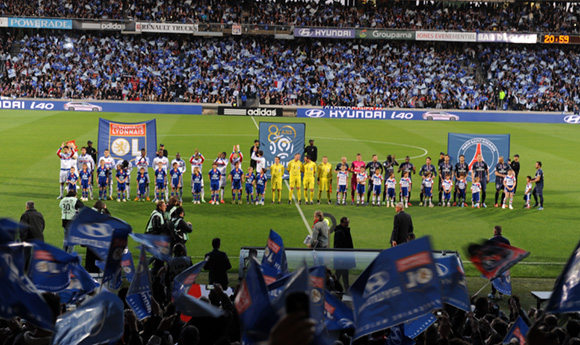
(434, 115)
(116, 107)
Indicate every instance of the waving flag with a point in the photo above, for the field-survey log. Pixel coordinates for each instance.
(49, 267)
(81, 283)
(253, 305)
(397, 336)
(191, 306)
(417, 326)
(337, 316)
(94, 229)
(453, 282)
(8, 230)
(128, 265)
(18, 296)
(503, 283)
(116, 250)
(492, 258)
(401, 284)
(518, 331)
(274, 264)
(98, 321)
(183, 281)
(566, 293)
(139, 294)
(158, 245)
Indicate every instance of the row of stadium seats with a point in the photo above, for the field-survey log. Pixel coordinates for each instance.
(541, 17)
(299, 72)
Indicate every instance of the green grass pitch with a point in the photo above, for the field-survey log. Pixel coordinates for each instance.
(29, 140)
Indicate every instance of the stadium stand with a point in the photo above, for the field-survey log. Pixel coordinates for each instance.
(557, 17)
(298, 72)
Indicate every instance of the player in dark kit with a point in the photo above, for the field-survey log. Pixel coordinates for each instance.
(501, 170)
(389, 168)
(407, 167)
(445, 168)
(427, 168)
(515, 164)
(480, 169)
(373, 166)
(460, 168)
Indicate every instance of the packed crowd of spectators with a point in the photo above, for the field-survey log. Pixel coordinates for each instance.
(300, 72)
(539, 17)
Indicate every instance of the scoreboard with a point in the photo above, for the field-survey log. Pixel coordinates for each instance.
(560, 39)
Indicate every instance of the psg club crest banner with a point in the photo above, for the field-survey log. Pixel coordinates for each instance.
(283, 140)
(125, 140)
(490, 146)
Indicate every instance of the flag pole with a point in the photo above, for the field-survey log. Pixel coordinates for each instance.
(483, 287)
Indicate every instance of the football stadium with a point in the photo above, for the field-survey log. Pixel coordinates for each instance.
(257, 172)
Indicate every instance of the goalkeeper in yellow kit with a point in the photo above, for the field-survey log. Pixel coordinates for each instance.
(309, 170)
(277, 172)
(295, 170)
(324, 179)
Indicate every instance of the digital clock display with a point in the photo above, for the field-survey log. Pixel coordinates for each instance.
(560, 39)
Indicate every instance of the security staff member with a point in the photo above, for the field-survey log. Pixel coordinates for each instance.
(372, 167)
(311, 151)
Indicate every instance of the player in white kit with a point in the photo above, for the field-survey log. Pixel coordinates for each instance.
(164, 165)
(196, 161)
(85, 158)
(68, 158)
(181, 167)
(109, 164)
(142, 161)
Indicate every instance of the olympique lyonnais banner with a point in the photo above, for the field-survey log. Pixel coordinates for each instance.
(125, 140)
(282, 140)
(490, 146)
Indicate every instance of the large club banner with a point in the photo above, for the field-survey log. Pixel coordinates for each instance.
(125, 140)
(282, 140)
(490, 146)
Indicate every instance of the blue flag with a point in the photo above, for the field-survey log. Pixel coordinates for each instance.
(49, 267)
(274, 264)
(317, 294)
(18, 296)
(8, 230)
(128, 265)
(401, 284)
(253, 305)
(113, 265)
(337, 315)
(184, 280)
(566, 292)
(453, 282)
(276, 288)
(94, 229)
(503, 283)
(139, 294)
(98, 321)
(417, 326)
(518, 331)
(158, 245)
(397, 336)
(81, 283)
(191, 306)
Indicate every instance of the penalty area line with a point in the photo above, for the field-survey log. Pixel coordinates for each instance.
(293, 197)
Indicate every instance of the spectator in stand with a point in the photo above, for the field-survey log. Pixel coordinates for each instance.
(218, 264)
(33, 224)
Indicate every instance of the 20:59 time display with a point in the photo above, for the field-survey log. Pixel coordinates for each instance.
(560, 39)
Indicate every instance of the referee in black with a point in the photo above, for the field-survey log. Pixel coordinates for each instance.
(373, 166)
